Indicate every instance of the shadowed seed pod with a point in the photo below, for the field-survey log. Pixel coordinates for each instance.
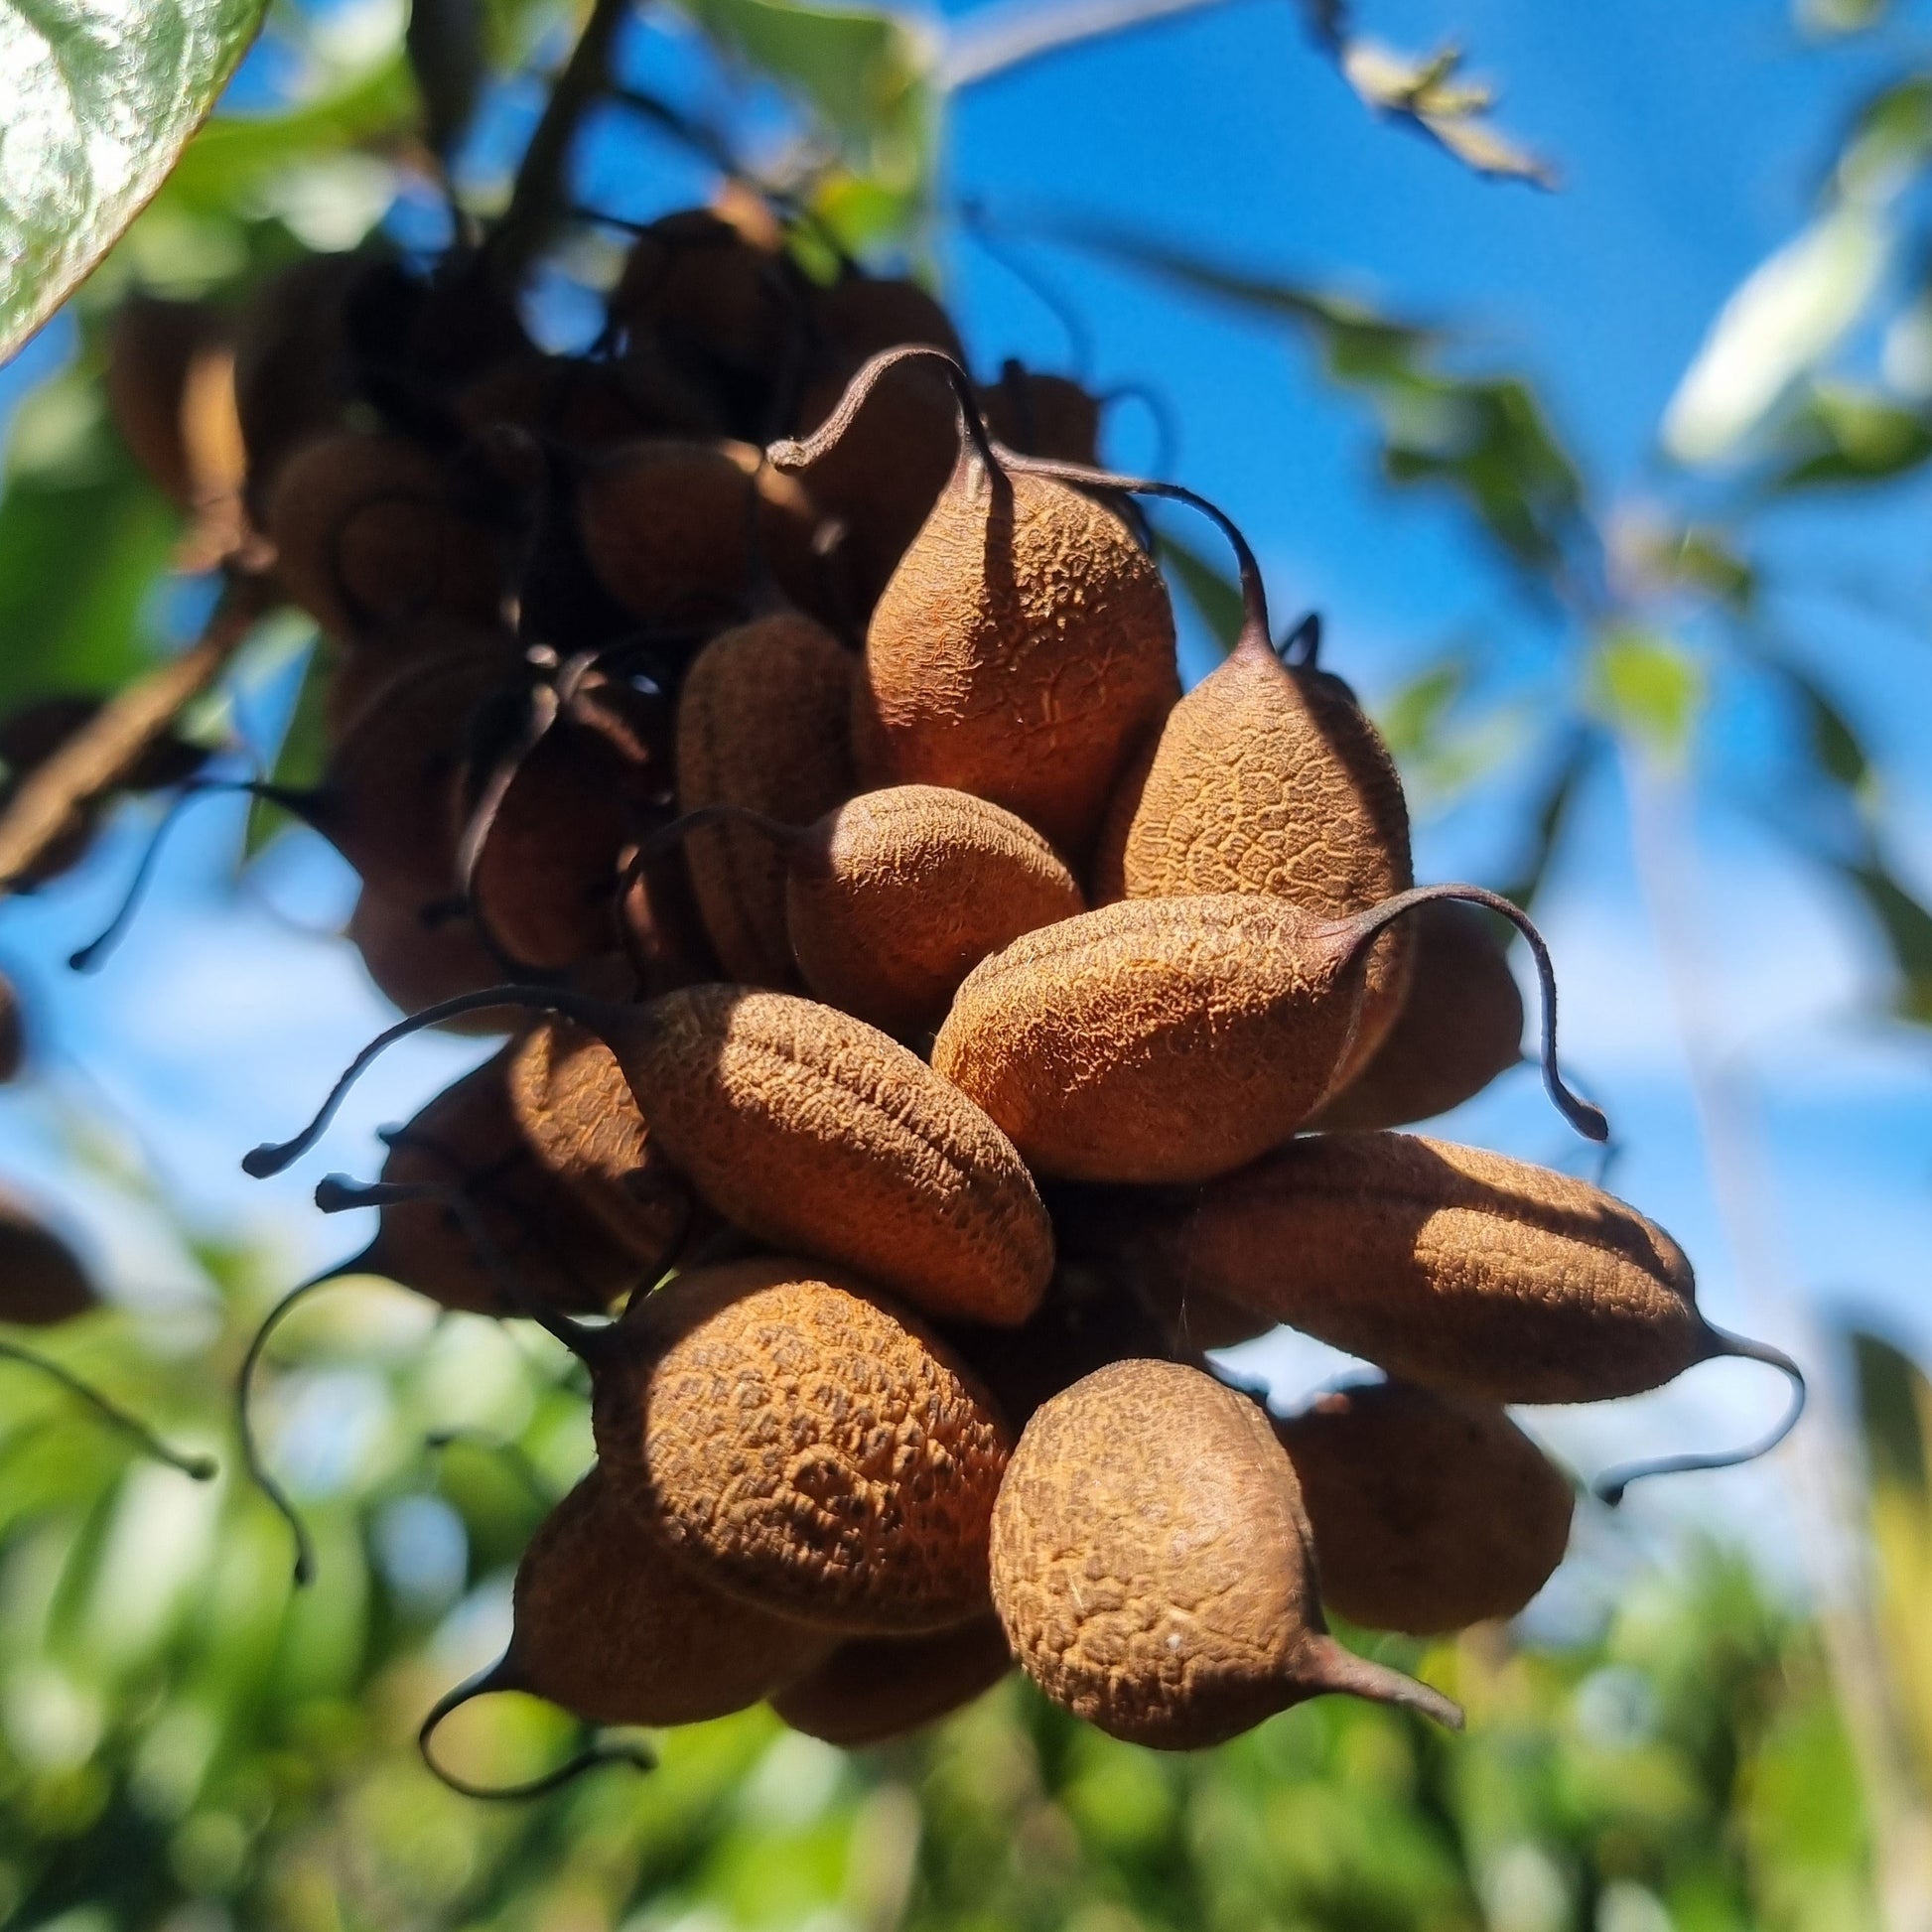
(874, 1689)
(1170, 1039)
(371, 531)
(1428, 1513)
(417, 956)
(42, 1281)
(1462, 1270)
(1267, 778)
(683, 533)
(762, 723)
(806, 1444)
(1152, 1565)
(1459, 1026)
(1044, 415)
(811, 1132)
(1025, 643)
(13, 1032)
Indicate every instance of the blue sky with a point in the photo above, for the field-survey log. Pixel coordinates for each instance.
(1692, 141)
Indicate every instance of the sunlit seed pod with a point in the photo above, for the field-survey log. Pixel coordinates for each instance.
(610, 1626)
(1152, 1566)
(876, 1689)
(894, 896)
(682, 534)
(1267, 778)
(1459, 1026)
(371, 531)
(806, 1444)
(41, 1280)
(762, 723)
(1428, 1513)
(578, 1117)
(1463, 1270)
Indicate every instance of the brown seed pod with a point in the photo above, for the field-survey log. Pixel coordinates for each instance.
(1170, 1039)
(1024, 643)
(42, 1281)
(811, 1132)
(874, 1689)
(858, 316)
(806, 1444)
(1044, 415)
(1428, 1513)
(1152, 1567)
(577, 1116)
(1267, 778)
(371, 531)
(1463, 1270)
(417, 958)
(682, 533)
(609, 1624)
(13, 1032)
(1459, 1026)
(762, 723)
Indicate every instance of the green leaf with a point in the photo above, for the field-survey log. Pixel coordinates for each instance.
(1844, 435)
(100, 98)
(1412, 723)
(1648, 686)
(1906, 926)
(1835, 742)
(1215, 595)
(1892, 1397)
(301, 757)
(1425, 92)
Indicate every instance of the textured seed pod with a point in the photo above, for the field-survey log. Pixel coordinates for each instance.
(1152, 1567)
(806, 1444)
(1269, 778)
(170, 386)
(42, 1281)
(416, 959)
(816, 1133)
(1021, 649)
(859, 315)
(570, 1101)
(1163, 1039)
(1044, 415)
(294, 378)
(893, 897)
(873, 1690)
(1460, 1025)
(610, 1626)
(373, 530)
(762, 723)
(1456, 1269)
(469, 1139)
(1428, 1513)
(668, 528)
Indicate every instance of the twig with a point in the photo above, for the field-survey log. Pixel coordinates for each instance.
(1009, 35)
(540, 194)
(55, 796)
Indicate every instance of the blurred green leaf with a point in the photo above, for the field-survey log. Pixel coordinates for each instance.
(1835, 740)
(1647, 685)
(100, 99)
(1425, 92)
(1412, 720)
(1892, 1396)
(1906, 926)
(1841, 435)
(1840, 16)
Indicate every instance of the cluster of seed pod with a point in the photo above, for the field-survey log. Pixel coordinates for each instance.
(947, 1029)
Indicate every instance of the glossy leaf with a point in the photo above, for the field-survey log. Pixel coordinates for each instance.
(99, 101)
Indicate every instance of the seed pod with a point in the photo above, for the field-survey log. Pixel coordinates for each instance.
(874, 1689)
(416, 958)
(1044, 415)
(1459, 1026)
(1170, 1039)
(1150, 1565)
(803, 1444)
(893, 897)
(1267, 778)
(810, 1131)
(570, 1101)
(1024, 643)
(42, 1281)
(860, 316)
(371, 531)
(1463, 1270)
(680, 533)
(13, 1032)
(613, 1627)
(1428, 1513)
(762, 723)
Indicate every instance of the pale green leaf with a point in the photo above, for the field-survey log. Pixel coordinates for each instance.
(1649, 687)
(98, 100)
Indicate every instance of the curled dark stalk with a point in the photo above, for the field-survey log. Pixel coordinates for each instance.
(499, 1678)
(201, 1468)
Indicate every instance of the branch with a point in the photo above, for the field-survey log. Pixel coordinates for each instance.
(57, 794)
(541, 189)
(1011, 34)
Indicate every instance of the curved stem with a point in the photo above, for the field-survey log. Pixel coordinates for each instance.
(1588, 1119)
(1609, 1488)
(499, 1676)
(274, 1156)
(202, 1468)
(244, 1388)
(1302, 647)
(336, 1194)
(1337, 1668)
(800, 452)
(703, 816)
(545, 708)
